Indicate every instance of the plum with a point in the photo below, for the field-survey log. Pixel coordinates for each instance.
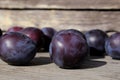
(68, 48)
(16, 48)
(96, 41)
(35, 34)
(48, 31)
(48, 35)
(112, 46)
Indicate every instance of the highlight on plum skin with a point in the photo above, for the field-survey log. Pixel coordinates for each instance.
(16, 48)
(112, 46)
(96, 41)
(68, 48)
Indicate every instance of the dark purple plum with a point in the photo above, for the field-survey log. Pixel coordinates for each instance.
(96, 41)
(16, 48)
(48, 35)
(14, 29)
(0, 32)
(35, 34)
(68, 48)
(48, 31)
(112, 46)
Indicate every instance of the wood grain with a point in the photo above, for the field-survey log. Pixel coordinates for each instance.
(42, 69)
(61, 4)
(81, 20)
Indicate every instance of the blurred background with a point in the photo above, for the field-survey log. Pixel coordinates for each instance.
(61, 14)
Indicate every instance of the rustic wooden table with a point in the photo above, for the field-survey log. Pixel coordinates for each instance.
(41, 68)
(82, 15)
(61, 14)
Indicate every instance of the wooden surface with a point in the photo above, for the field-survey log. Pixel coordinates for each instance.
(82, 15)
(41, 68)
(61, 4)
(81, 20)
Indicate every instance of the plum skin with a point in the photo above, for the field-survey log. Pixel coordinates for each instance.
(68, 49)
(112, 46)
(48, 31)
(14, 29)
(35, 34)
(17, 49)
(96, 41)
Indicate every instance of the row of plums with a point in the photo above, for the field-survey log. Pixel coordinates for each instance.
(67, 48)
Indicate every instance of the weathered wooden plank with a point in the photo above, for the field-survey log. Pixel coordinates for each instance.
(81, 20)
(42, 69)
(61, 4)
